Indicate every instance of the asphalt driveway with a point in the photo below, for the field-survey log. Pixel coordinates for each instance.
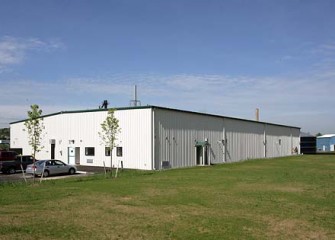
(19, 176)
(81, 171)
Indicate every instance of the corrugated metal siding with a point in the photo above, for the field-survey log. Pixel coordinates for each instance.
(19, 138)
(83, 128)
(176, 134)
(136, 137)
(295, 138)
(243, 140)
(280, 141)
(170, 139)
(325, 143)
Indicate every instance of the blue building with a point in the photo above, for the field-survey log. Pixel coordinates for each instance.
(326, 143)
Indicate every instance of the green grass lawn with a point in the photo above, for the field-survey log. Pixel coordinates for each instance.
(282, 198)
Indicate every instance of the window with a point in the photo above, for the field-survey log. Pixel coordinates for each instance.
(89, 151)
(58, 163)
(107, 151)
(119, 151)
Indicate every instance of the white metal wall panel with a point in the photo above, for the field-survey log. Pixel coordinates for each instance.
(177, 132)
(244, 140)
(80, 129)
(296, 138)
(136, 129)
(280, 140)
(19, 138)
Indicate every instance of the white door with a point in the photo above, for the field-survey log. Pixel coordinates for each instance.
(71, 156)
(332, 148)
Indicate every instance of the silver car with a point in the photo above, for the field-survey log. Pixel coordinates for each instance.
(50, 167)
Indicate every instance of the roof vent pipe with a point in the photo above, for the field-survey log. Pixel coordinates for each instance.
(135, 102)
(257, 114)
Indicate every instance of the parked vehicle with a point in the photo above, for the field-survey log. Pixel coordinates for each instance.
(50, 167)
(7, 155)
(12, 166)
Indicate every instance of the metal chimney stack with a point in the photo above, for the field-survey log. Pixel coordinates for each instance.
(135, 102)
(257, 114)
(135, 95)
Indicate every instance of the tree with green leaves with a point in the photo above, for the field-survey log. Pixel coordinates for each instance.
(35, 127)
(110, 128)
(4, 133)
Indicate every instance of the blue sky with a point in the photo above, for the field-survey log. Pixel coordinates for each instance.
(222, 57)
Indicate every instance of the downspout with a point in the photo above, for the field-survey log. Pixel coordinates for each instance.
(264, 140)
(203, 156)
(153, 139)
(224, 142)
(291, 142)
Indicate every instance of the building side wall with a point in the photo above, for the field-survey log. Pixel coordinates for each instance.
(332, 144)
(81, 130)
(308, 145)
(325, 144)
(296, 139)
(176, 134)
(281, 141)
(136, 135)
(230, 140)
(19, 138)
(244, 140)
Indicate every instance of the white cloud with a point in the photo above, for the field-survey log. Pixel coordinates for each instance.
(10, 52)
(294, 100)
(326, 49)
(95, 86)
(14, 50)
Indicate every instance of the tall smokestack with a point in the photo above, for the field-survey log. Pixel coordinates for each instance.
(257, 114)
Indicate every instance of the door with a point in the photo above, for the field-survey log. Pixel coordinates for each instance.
(205, 149)
(71, 155)
(199, 155)
(59, 167)
(51, 167)
(202, 152)
(52, 151)
(77, 155)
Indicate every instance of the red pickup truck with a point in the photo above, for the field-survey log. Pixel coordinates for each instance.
(7, 155)
(11, 166)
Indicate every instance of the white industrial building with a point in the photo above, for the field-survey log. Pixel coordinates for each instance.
(155, 138)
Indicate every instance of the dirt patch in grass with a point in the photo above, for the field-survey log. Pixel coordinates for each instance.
(271, 187)
(109, 217)
(294, 229)
(290, 189)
